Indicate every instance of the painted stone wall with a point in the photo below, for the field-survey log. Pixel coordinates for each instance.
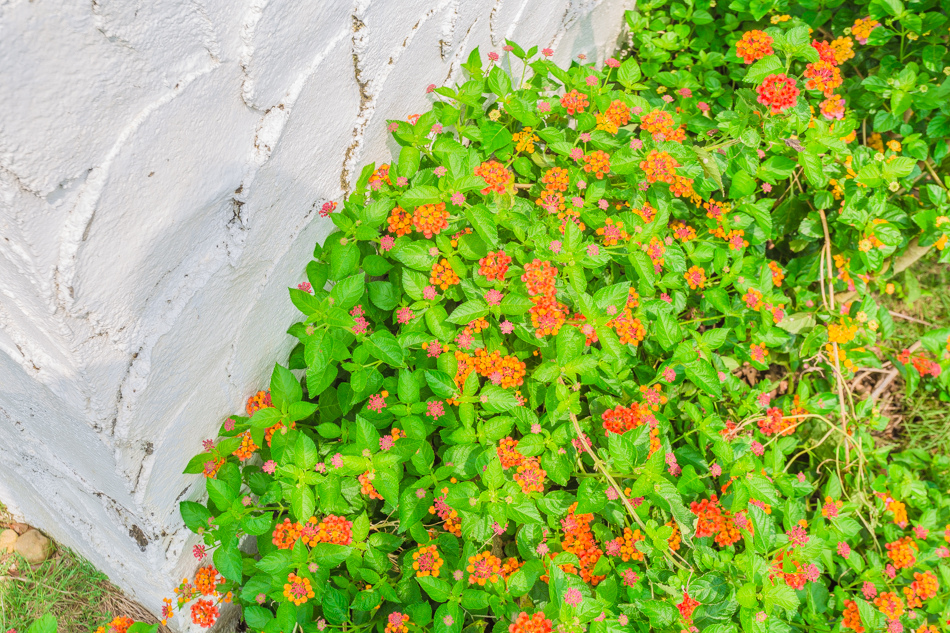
(161, 169)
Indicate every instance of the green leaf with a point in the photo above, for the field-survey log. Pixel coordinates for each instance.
(702, 374)
(495, 399)
(418, 196)
(219, 493)
(347, 292)
(668, 332)
(45, 624)
(383, 294)
(437, 588)
(629, 72)
(302, 502)
(257, 617)
(570, 345)
(305, 452)
(483, 222)
(763, 68)
(779, 595)
(376, 212)
(468, 311)
(384, 346)
(660, 612)
(335, 605)
(442, 385)
(228, 561)
(284, 387)
(881, 8)
(814, 171)
(498, 81)
(194, 515)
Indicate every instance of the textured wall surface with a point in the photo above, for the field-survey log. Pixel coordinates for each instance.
(161, 167)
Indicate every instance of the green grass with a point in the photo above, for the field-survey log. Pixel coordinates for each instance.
(923, 294)
(65, 585)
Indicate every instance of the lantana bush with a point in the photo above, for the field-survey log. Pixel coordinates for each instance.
(578, 357)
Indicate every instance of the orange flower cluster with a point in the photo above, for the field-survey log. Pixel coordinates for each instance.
(682, 232)
(298, 589)
(796, 579)
(900, 512)
(903, 552)
(483, 568)
(843, 49)
(777, 274)
(508, 453)
(333, 529)
(675, 537)
(659, 167)
(555, 179)
(824, 76)
(247, 448)
(120, 624)
(646, 212)
(628, 545)
(509, 567)
(686, 607)
(660, 124)
(621, 419)
(862, 29)
(496, 177)
(925, 585)
(612, 232)
(286, 534)
(889, 603)
(852, 619)
(776, 422)
(598, 163)
(453, 524)
(400, 222)
(494, 265)
(396, 623)
(466, 365)
(430, 219)
(426, 561)
(842, 333)
(547, 314)
(629, 328)
(779, 92)
(530, 475)
(381, 174)
(366, 485)
(574, 102)
(442, 275)
(616, 116)
(579, 540)
(754, 45)
(260, 400)
(709, 519)
(269, 432)
(832, 107)
(524, 140)
(507, 371)
(536, 623)
(655, 250)
(695, 277)
(207, 580)
(204, 613)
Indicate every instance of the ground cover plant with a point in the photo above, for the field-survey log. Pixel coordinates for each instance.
(583, 362)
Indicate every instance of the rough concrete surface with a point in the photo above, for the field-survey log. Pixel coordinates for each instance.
(161, 168)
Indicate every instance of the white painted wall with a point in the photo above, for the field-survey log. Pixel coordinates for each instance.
(161, 168)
